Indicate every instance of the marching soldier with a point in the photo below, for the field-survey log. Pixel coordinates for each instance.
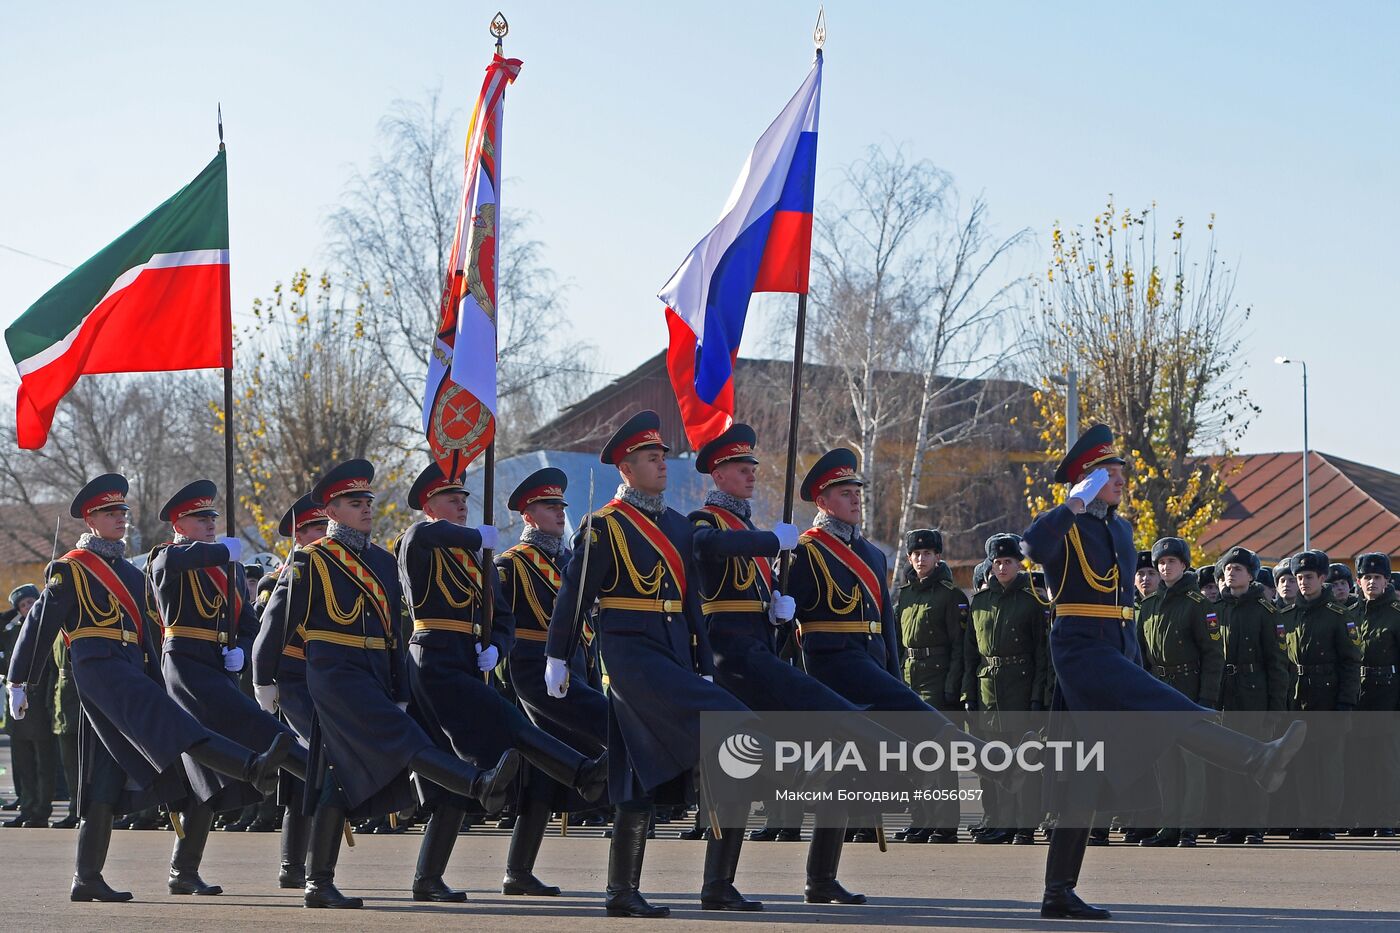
(1321, 639)
(932, 612)
(304, 523)
(1182, 645)
(455, 643)
(1371, 745)
(635, 556)
(1005, 659)
(204, 650)
(344, 602)
(745, 614)
(1086, 545)
(1255, 682)
(133, 732)
(531, 573)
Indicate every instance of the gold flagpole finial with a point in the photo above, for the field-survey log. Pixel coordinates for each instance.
(819, 32)
(499, 28)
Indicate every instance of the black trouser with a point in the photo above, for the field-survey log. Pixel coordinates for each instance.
(35, 759)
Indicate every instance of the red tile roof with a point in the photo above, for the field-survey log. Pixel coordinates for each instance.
(1355, 508)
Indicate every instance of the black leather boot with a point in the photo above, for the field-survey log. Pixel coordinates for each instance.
(1265, 762)
(433, 854)
(489, 788)
(823, 858)
(189, 852)
(296, 837)
(327, 827)
(525, 839)
(722, 863)
(629, 845)
(94, 835)
(226, 757)
(587, 776)
(1062, 874)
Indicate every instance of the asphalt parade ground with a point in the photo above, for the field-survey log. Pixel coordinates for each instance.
(1344, 885)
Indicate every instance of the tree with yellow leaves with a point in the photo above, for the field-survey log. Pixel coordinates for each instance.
(1154, 336)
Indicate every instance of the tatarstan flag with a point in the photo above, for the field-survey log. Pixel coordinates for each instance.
(155, 300)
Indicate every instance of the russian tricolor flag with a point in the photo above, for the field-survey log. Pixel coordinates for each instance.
(762, 243)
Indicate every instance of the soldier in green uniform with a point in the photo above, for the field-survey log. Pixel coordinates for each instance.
(33, 751)
(1256, 681)
(1005, 658)
(1285, 585)
(1342, 583)
(932, 612)
(1207, 583)
(1182, 645)
(1322, 641)
(1265, 578)
(65, 728)
(1371, 745)
(1146, 579)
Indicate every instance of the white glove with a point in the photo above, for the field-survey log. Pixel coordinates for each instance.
(235, 548)
(787, 535)
(233, 659)
(266, 695)
(490, 537)
(1087, 489)
(709, 678)
(556, 677)
(782, 608)
(486, 657)
(19, 703)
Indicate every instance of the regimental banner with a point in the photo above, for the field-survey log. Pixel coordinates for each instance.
(459, 404)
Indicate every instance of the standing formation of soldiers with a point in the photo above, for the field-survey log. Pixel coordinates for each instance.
(379, 674)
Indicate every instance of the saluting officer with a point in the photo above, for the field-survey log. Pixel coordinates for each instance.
(133, 733)
(1182, 645)
(1005, 659)
(345, 602)
(455, 643)
(1322, 643)
(635, 556)
(304, 522)
(1087, 546)
(932, 612)
(1255, 682)
(531, 573)
(1371, 744)
(204, 651)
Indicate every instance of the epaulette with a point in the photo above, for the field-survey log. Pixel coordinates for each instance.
(1267, 605)
(950, 585)
(1395, 605)
(1195, 595)
(1339, 610)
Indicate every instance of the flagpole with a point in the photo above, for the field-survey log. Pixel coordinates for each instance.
(230, 525)
(499, 27)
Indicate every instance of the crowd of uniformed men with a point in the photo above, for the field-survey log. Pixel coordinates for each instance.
(420, 681)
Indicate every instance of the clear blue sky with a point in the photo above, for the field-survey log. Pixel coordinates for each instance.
(629, 122)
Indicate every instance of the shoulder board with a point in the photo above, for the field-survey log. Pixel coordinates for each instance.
(1267, 605)
(950, 584)
(1195, 596)
(605, 510)
(1339, 610)
(56, 570)
(1395, 605)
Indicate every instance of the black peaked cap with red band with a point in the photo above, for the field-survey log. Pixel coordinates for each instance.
(735, 444)
(107, 491)
(304, 511)
(431, 482)
(353, 477)
(543, 485)
(835, 468)
(640, 431)
(195, 499)
(1093, 449)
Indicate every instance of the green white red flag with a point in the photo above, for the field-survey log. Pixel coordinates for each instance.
(155, 300)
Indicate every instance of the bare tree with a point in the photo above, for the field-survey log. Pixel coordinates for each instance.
(392, 237)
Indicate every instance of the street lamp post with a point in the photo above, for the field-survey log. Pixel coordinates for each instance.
(1307, 537)
(1071, 384)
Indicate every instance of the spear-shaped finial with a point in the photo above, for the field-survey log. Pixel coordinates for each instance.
(819, 32)
(221, 126)
(499, 28)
